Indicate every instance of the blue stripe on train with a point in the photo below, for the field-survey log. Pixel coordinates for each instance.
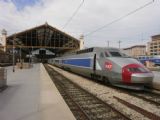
(78, 62)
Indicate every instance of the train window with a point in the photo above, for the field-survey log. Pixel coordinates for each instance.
(115, 54)
(139, 69)
(106, 54)
(101, 55)
(85, 51)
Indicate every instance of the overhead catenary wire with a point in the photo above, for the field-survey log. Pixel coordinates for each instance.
(118, 19)
(75, 12)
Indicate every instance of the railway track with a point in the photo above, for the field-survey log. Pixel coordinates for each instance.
(84, 105)
(147, 94)
(153, 98)
(147, 114)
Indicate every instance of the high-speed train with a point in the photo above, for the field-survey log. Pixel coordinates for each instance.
(107, 64)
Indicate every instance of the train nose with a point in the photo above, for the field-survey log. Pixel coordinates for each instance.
(142, 78)
(136, 73)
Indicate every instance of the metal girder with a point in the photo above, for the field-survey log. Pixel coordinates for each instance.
(44, 36)
(20, 46)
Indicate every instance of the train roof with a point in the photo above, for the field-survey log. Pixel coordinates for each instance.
(92, 49)
(105, 48)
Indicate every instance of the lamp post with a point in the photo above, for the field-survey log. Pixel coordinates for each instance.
(20, 61)
(108, 43)
(13, 53)
(119, 42)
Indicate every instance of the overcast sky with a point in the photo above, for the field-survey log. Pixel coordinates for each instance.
(18, 15)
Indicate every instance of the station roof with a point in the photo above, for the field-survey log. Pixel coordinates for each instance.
(43, 36)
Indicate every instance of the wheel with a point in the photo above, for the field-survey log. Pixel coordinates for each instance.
(106, 80)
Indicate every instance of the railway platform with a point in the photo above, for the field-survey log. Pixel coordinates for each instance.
(31, 95)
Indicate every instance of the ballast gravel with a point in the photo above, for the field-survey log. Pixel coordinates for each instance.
(106, 94)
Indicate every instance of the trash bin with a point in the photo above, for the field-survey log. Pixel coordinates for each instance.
(3, 77)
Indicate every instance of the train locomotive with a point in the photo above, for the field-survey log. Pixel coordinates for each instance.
(109, 65)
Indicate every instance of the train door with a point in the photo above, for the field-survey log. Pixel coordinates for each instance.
(94, 63)
(93, 74)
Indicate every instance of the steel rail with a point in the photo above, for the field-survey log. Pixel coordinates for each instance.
(138, 109)
(90, 104)
(151, 97)
(75, 108)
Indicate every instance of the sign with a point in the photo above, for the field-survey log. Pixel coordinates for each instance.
(108, 65)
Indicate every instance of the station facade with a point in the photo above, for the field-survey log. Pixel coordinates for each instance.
(44, 38)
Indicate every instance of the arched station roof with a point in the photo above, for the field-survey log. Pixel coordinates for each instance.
(43, 36)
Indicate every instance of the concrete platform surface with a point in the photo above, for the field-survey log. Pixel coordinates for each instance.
(31, 95)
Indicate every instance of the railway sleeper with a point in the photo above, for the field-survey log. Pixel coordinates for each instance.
(93, 113)
(92, 106)
(88, 102)
(82, 99)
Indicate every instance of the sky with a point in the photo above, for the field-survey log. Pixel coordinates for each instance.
(136, 29)
(20, 4)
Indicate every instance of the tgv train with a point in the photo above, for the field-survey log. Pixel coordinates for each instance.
(154, 59)
(107, 64)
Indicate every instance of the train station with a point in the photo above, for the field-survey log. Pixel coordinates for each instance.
(47, 73)
(28, 86)
(44, 39)
(25, 51)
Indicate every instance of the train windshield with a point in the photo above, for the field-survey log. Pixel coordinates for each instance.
(115, 54)
(138, 69)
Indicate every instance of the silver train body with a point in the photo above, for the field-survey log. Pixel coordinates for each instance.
(107, 64)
